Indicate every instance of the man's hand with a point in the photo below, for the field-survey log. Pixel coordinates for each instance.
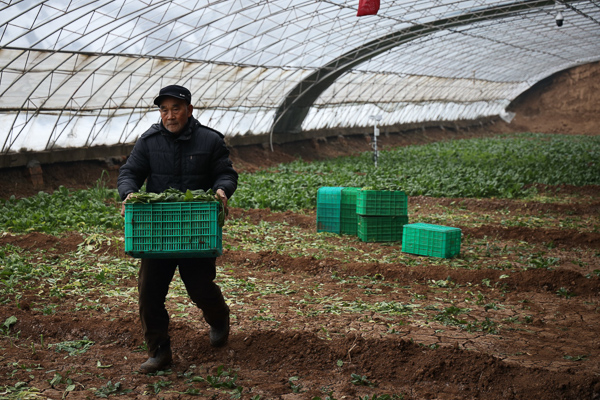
(123, 204)
(223, 196)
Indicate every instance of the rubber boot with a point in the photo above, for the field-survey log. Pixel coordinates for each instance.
(219, 334)
(159, 362)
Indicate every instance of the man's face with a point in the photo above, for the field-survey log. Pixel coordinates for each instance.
(175, 113)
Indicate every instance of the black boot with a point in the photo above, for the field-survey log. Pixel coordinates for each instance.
(219, 334)
(159, 362)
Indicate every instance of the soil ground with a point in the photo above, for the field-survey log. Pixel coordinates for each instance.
(541, 341)
(514, 316)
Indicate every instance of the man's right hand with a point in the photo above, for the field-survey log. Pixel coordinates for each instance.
(123, 204)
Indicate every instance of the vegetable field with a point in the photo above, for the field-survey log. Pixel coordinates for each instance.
(326, 316)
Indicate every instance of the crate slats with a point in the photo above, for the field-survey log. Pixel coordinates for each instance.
(349, 218)
(381, 203)
(381, 229)
(431, 240)
(329, 201)
(173, 230)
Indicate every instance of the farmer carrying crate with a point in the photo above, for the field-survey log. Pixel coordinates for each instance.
(179, 153)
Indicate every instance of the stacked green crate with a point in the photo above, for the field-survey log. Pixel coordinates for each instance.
(382, 215)
(329, 202)
(349, 218)
(381, 229)
(431, 240)
(382, 203)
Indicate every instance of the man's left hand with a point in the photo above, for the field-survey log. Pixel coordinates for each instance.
(221, 194)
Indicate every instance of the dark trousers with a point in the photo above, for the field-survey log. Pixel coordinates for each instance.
(153, 284)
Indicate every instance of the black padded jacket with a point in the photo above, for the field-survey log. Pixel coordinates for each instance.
(196, 159)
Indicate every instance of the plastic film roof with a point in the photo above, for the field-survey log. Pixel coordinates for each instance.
(85, 73)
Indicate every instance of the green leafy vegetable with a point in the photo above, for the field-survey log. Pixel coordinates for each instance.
(93, 210)
(174, 195)
(506, 166)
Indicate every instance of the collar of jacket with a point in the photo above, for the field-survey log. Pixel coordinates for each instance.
(185, 134)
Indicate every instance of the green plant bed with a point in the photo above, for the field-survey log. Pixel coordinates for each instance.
(506, 166)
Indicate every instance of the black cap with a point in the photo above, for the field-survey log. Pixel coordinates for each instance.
(179, 92)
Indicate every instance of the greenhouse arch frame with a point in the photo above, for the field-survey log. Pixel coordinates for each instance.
(77, 78)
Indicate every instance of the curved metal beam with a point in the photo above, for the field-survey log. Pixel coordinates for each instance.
(292, 112)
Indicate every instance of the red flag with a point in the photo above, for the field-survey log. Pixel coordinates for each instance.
(367, 7)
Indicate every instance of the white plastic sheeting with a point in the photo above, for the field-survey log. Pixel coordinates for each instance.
(84, 73)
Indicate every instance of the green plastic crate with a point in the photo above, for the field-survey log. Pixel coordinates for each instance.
(349, 218)
(431, 240)
(329, 200)
(381, 203)
(173, 230)
(381, 229)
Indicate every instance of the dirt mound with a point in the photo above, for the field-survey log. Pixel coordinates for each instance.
(421, 372)
(562, 237)
(43, 242)
(566, 102)
(536, 279)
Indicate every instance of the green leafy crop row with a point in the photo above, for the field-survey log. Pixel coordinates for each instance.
(505, 166)
(86, 211)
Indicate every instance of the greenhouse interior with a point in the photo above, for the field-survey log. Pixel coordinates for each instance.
(402, 198)
(83, 74)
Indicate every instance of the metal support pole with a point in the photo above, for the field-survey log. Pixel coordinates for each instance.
(377, 118)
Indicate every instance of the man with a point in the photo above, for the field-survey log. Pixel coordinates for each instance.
(178, 153)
